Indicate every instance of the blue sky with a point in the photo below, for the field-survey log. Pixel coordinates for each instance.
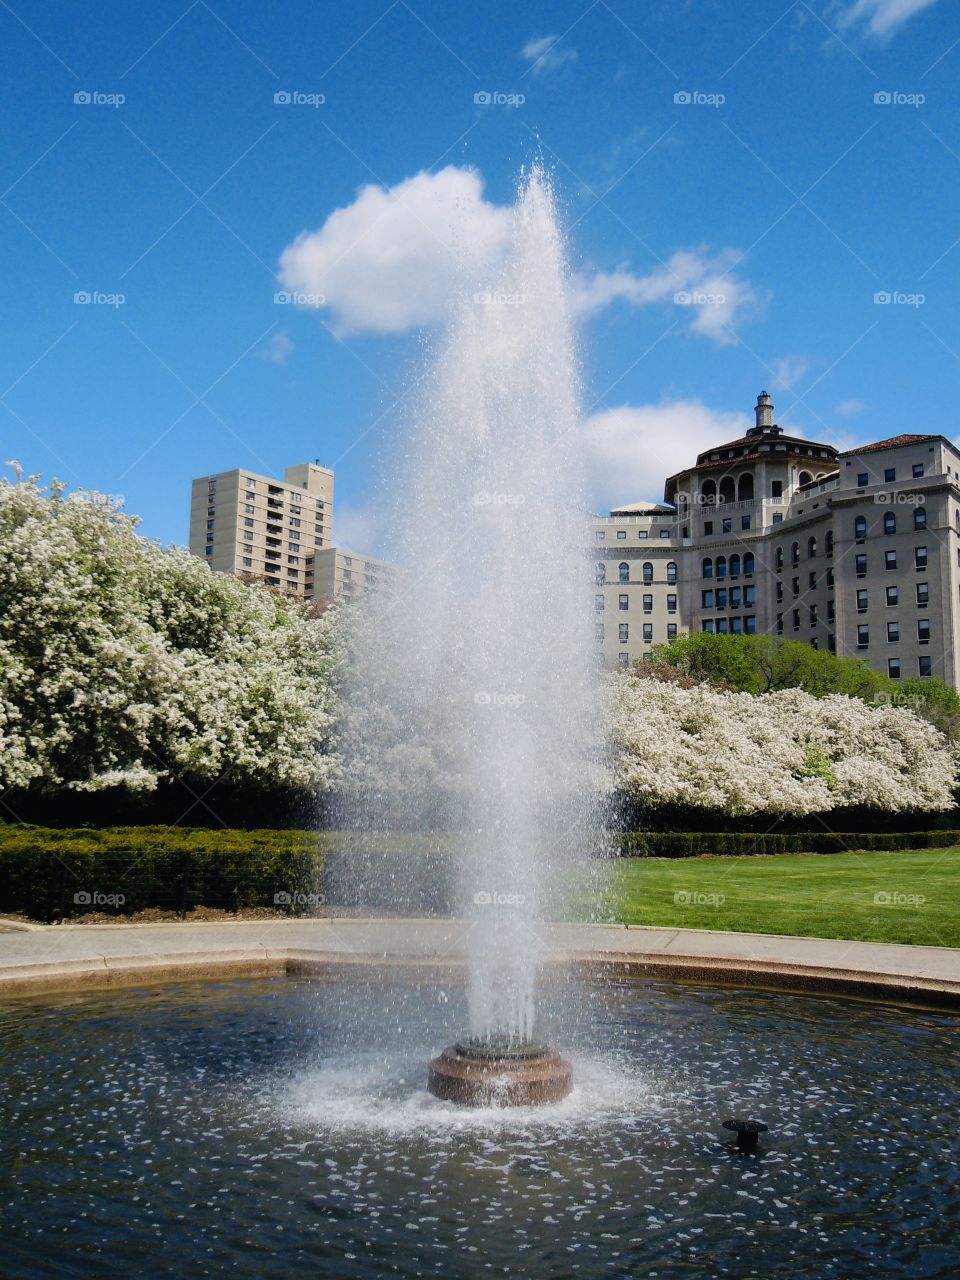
(781, 187)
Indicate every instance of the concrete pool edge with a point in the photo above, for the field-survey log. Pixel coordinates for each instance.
(86, 957)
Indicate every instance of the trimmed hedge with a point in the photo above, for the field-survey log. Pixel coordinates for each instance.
(692, 844)
(50, 873)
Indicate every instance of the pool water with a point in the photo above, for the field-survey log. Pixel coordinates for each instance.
(282, 1127)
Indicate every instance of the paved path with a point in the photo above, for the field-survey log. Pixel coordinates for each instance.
(56, 957)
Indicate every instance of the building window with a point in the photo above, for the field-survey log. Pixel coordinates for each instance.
(601, 536)
(623, 572)
(209, 550)
(664, 533)
(832, 643)
(621, 535)
(248, 524)
(828, 542)
(893, 595)
(795, 554)
(778, 517)
(811, 547)
(812, 581)
(890, 559)
(247, 562)
(744, 522)
(735, 597)
(623, 602)
(599, 630)
(598, 603)
(920, 557)
(893, 668)
(862, 480)
(831, 611)
(778, 559)
(796, 619)
(708, 626)
(776, 488)
(648, 604)
(211, 510)
(923, 630)
(624, 632)
(647, 572)
(863, 636)
(209, 537)
(721, 597)
(708, 527)
(779, 592)
(723, 627)
(917, 470)
(734, 566)
(889, 475)
(671, 571)
(721, 566)
(813, 615)
(860, 563)
(671, 604)
(795, 587)
(736, 626)
(779, 624)
(647, 633)
(726, 526)
(671, 631)
(623, 659)
(209, 524)
(923, 594)
(920, 518)
(749, 564)
(829, 579)
(706, 599)
(601, 572)
(749, 595)
(924, 665)
(893, 632)
(889, 522)
(750, 625)
(861, 602)
(294, 524)
(860, 528)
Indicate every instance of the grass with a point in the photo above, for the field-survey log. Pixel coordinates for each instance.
(911, 897)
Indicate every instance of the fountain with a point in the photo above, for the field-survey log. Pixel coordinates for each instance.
(478, 675)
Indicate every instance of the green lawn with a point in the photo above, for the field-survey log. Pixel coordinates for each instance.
(912, 896)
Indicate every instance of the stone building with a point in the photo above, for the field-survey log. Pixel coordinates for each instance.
(857, 552)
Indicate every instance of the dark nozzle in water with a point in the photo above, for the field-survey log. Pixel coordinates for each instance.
(748, 1132)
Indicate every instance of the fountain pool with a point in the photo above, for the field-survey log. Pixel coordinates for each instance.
(266, 1127)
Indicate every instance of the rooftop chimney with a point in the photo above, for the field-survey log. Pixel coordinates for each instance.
(764, 411)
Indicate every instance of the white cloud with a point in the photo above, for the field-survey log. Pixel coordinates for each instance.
(849, 407)
(395, 258)
(788, 370)
(630, 450)
(279, 349)
(705, 287)
(881, 18)
(392, 260)
(545, 54)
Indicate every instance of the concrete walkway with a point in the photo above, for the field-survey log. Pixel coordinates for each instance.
(63, 957)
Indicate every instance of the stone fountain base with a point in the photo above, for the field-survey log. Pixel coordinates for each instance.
(499, 1073)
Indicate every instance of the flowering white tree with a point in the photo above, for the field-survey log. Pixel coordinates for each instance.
(122, 664)
(779, 753)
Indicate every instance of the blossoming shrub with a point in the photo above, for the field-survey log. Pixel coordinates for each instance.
(777, 753)
(123, 664)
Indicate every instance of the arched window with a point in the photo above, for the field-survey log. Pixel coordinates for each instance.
(623, 571)
(601, 571)
(811, 547)
(920, 518)
(671, 571)
(707, 568)
(728, 492)
(734, 566)
(795, 554)
(828, 542)
(889, 523)
(860, 527)
(779, 560)
(708, 493)
(749, 564)
(647, 572)
(745, 487)
(721, 566)
(804, 478)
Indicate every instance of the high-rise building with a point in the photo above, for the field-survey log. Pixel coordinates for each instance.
(258, 527)
(857, 552)
(341, 574)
